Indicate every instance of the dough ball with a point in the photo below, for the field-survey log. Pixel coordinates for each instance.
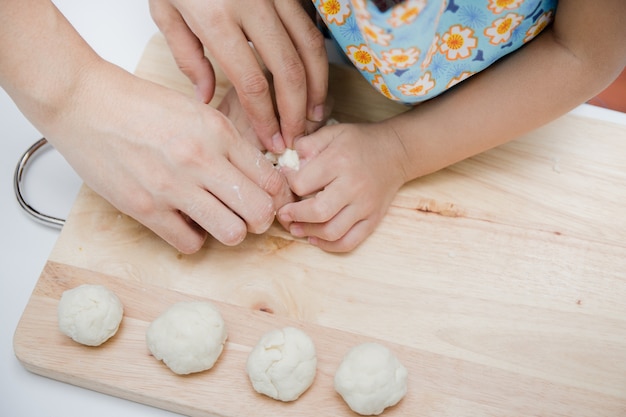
(370, 379)
(282, 364)
(188, 337)
(89, 314)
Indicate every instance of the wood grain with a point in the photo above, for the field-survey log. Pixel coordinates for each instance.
(499, 282)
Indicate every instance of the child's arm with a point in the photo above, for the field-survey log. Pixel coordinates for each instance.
(571, 62)
(358, 169)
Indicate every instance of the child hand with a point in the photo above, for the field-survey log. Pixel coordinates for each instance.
(352, 172)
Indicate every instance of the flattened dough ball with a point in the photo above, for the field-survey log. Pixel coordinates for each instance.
(282, 364)
(188, 337)
(370, 378)
(89, 314)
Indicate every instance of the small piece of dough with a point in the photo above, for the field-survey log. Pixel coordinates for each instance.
(370, 379)
(282, 364)
(89, 314)
(188, 337)
(289, 159)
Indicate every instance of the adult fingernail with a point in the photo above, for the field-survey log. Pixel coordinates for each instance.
(318, 113)
(199, 96)
(278, 143)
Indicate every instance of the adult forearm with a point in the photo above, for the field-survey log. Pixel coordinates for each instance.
(42, 58)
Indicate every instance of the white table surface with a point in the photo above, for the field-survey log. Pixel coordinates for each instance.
(118, 30)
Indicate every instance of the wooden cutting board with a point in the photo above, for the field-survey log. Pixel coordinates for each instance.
(500, 283)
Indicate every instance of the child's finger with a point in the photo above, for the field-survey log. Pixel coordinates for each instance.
(349, 241)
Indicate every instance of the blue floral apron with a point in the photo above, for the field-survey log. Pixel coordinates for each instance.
(413, 50)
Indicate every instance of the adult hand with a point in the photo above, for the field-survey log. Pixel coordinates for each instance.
(287, 41)
(176, 165)
(231, 107)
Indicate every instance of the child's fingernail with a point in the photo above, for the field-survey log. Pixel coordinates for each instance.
(296, 230)
(278, 143)
(284, 217)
